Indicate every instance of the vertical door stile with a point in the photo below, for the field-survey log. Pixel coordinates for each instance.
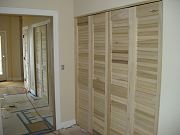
(76, 71)
(132, 65)
(109, 72)
(159, 70)
(106, 72)
(90, 74)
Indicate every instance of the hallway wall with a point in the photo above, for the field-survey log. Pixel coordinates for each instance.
(12, 25)
(83, 7)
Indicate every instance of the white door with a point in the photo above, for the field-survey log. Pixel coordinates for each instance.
(2, 57)
(26, 62)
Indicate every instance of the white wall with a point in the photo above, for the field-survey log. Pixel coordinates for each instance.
(169, 116)
(65, 9)
(83, 7)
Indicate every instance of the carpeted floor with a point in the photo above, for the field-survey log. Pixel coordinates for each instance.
(23, 113)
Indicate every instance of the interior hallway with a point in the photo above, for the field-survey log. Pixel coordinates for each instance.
(23, 113)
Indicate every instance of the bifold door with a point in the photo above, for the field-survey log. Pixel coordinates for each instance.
(82, 73)
(118, 69)
(40, 50)
(148, 69)
(100, 73)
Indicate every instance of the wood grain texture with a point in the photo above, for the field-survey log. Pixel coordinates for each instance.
(119, 94)
(99, 73)
(119, 71)
(146, 87)
(82, 72)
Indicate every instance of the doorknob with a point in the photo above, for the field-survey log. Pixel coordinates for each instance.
(3, 57)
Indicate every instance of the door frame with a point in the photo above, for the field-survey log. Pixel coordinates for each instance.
(56, 50)
(6, 58)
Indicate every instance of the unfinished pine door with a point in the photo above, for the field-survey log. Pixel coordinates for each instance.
(118, 71)
(119, 80)
(148, 69)
(82, 69)
(82, 73)
(40, 50)
(100, 73)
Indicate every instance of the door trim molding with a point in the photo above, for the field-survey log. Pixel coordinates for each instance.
(45, 22)
(56, 49)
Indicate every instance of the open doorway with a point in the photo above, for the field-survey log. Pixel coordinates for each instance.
(27, 85)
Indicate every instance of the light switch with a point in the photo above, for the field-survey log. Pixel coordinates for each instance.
(62, 67)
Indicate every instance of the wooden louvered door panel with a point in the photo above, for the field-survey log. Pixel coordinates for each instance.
(44, 58)
(119, 92)
(82, 73)
(40, 50)
(38, 68)
(100, 65)
(146, 96)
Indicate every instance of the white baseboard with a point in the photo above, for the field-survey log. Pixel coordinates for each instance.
(66, 124)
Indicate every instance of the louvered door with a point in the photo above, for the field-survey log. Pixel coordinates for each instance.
(44, 57)
(118, 71)
(146, 96)
(100, 67)
(38, 68)
(82, 73)
(119, 80)
(40, 45)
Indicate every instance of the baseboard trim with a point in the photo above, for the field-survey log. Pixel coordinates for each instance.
(66, 124)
